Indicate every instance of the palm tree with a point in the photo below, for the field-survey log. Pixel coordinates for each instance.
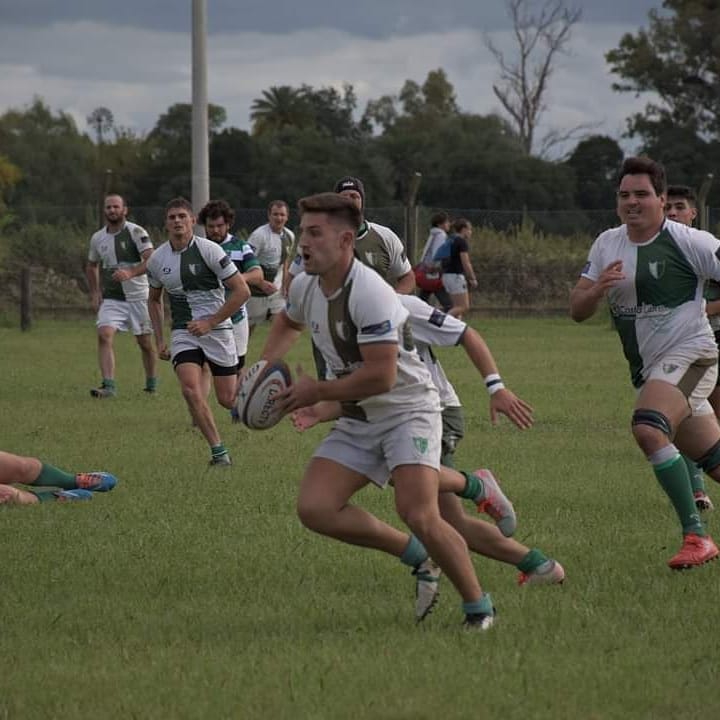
(279, 107)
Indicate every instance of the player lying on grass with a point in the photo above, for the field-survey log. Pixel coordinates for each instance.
(57, 485)
(433, 327)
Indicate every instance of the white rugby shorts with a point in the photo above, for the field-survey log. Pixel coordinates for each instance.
(376, 449)
(125, 315)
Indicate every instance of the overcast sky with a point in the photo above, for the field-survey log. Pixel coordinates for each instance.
(134, 56)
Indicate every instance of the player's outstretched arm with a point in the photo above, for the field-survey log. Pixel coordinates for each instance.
(502, 400)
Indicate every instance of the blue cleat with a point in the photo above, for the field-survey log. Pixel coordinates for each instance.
(95, 481)
(72, 495)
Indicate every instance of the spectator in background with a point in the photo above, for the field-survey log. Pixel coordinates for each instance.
(428, 273)
(457, 269)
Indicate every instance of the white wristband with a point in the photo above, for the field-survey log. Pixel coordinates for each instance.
(493, 383)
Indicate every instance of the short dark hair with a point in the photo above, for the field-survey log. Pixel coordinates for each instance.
(645, 166)
(274, 203)
(114, 194)
(179, 202)
(460, 224)
(334, 205)
(683, 191)
(216, 209)
(439, 218)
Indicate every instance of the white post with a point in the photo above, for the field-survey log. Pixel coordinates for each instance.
(200, 133)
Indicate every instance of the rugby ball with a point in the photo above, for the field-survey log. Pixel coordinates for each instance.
(256, 403)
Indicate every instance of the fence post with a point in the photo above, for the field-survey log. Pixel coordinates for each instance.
(703, 210)
(25, 299)
(411, 217)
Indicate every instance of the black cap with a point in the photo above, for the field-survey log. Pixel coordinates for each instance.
(351, 183)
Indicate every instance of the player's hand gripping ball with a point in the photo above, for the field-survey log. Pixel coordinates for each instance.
(256, 403)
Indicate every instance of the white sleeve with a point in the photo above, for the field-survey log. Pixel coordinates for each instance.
(140, 238)
(594, 265)
(399, 264)
(297, 297)
(93, 254)
(217, 259)
(257, 239)
(152, 279)
(375, 310)
(703, 251)
(430, 325)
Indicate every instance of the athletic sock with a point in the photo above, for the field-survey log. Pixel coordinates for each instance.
(697, 482)
(672, 474)
(151, 384)
(532, 561)
(482, 606)
(473, 486)
(108, 384)
(414, 554)
(218, 450)
(46, 496)
(53, 477)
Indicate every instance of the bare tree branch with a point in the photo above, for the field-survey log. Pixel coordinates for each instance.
(539, 36)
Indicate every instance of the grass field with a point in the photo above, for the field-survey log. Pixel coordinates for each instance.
(189, 594)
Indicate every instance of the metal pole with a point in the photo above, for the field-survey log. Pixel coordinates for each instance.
(411, 217)
(200, 133)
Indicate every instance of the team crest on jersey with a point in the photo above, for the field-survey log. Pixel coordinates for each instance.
(193, 268)
(657, 268)
(340, 329)
(370, 257)
(421, 444)
(123, 244)
(167, 270)
(669, 368)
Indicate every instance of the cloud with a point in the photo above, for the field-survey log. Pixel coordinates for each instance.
(139, 73)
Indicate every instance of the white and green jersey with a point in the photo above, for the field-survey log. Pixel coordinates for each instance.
(659, 308)
(377, 247)
(193, 279)
(365, 310)
(429, 327)
(122, 249)
(271, 250)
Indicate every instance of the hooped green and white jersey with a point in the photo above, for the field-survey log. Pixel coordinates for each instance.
(365, 310)
(193, 279)
(659, 308)
(432, 327)
(122, 249)
(241, 253)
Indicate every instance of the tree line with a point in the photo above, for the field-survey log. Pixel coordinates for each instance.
(303, 138)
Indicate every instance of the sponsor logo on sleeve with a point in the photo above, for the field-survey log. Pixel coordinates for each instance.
(437, 318)
(225, 261)
(378, 329)
(586, 269)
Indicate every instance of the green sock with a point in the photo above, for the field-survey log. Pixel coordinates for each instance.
(473, 486)
(151, 383)
(46, 496)
(414, 554)
(673, 478)
(476, 607)
(697, 482)
(534, 559)
(218, 450)
(108, 383)
(52, 477)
